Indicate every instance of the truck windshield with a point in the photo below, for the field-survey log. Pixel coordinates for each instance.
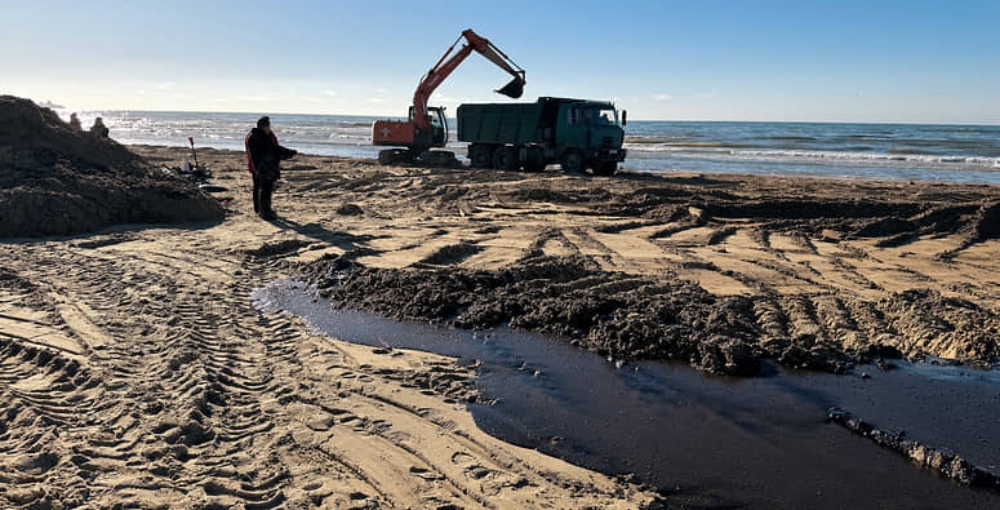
(601, 116)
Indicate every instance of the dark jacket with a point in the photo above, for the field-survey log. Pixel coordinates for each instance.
(264, 154)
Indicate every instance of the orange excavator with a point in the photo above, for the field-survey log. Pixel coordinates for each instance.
(427, 126)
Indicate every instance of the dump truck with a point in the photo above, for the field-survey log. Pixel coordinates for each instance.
(575, 133)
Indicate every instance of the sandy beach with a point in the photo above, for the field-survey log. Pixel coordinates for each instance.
(135, 370)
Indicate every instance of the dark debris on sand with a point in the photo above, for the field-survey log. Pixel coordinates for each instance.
(939, 460)
(616, 315)
(627, 317)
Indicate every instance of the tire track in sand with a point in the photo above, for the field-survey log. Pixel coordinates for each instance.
(187, 396)
(196, 379)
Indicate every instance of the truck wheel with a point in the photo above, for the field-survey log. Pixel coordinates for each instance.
(505, 158)
(573, 162)
(480, 156)
(606, 168)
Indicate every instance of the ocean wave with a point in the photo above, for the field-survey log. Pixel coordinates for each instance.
(907, 150)
(873, 156)
(831, 157)
(792, 138)
(654, 139)
(653, 143)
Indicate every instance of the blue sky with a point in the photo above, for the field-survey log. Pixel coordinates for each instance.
(846, 60)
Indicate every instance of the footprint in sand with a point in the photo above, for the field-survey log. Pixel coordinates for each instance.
(470, 466)
(425, 474)
(321, 423)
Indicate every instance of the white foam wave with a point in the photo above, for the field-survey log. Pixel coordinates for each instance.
(841, 157)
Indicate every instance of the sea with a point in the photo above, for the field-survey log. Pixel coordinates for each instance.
(909, 152)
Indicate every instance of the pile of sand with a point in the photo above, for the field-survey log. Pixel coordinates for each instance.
(55, 180)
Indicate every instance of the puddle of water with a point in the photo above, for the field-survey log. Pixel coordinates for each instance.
(709, 441)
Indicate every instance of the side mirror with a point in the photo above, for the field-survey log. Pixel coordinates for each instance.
(624, 118)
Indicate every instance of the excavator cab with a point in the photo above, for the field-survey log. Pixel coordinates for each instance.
(439, 125)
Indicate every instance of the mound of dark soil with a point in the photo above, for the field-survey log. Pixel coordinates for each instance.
(613, 314)
(55, 180)
(627, 317)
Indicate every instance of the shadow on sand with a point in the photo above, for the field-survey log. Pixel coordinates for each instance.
(342, 240)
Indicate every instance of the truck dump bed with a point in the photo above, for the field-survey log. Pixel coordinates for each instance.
(516, 124)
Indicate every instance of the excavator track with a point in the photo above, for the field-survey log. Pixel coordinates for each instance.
(432, 159)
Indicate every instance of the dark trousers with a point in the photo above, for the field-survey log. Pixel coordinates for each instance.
(262, 189)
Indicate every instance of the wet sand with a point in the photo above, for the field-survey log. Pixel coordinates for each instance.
(134, 368)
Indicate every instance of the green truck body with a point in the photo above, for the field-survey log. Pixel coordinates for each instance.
(575, 133)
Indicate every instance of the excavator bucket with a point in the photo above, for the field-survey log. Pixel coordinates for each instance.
(514, 89)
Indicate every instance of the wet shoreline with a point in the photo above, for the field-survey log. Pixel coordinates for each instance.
(717, 442)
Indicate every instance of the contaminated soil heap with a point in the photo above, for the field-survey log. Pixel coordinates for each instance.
(55, 180)
(771, 244)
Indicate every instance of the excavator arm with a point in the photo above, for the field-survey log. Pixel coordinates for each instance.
(450, 61)
(413, 137)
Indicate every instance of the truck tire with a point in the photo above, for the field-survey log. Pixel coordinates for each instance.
(606, 168)
(573, 161)
(480, 156)
(505, 158)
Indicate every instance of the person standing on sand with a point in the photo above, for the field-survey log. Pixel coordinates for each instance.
(74, 122)
(264, 156)
(99, 128)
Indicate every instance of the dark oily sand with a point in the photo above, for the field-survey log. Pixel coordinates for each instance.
(707, 442)
(633, 317)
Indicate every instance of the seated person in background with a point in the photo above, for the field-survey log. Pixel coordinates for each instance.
(99, 128)
(74, 122)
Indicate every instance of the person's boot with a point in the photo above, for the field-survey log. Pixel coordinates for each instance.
(265, 205)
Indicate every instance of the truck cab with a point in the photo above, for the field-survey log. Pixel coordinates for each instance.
(589, 129)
